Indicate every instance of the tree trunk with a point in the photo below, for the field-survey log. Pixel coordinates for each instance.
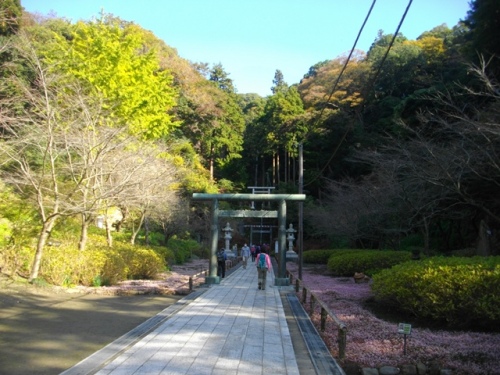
(211, 163)
(263, 174)
(166, 234)
(84, 230)
(146, 229)
(135, 232)
(483, 244)
(286, 166)
(273, 168)
(124, 211)
(426, 237)
(48, 225)
(277, 172)
(109, 237)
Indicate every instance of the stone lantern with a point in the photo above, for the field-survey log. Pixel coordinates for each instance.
(291, 254)
(227, 237)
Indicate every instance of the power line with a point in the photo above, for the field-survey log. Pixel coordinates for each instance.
(367, 87)
(373, 80)
(346, 62)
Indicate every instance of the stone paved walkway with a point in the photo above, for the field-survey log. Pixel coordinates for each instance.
(231, 328)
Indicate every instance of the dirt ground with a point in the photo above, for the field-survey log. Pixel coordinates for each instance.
(45, 330)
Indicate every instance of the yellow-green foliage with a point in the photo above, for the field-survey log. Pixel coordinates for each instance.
(463, 292)
(66, 265)
(17, 233)
(5, 231)
(114, 270)
(16, 259)
(142, 263)
(98, 264)
(369, 262)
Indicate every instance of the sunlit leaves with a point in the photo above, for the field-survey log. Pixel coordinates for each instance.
(113, 59)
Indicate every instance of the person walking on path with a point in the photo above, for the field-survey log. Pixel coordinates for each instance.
(221, 263)
(245, 254)
(263, 263)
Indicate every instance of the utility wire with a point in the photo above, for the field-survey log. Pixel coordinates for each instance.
(345, 63)
(367, 87)
(374, 79)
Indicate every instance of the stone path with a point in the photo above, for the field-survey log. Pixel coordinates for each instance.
(231, 328)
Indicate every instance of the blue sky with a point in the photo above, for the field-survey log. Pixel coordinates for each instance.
(253, 38)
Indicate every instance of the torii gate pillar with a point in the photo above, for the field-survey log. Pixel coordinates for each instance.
(282, 280)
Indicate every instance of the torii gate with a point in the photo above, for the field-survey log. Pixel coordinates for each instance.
(281, 280)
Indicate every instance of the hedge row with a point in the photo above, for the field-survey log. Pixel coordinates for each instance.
(346, 263)
(100, 265)
(322, 256)
(461, 292)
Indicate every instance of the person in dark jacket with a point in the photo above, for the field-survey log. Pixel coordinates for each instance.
(221, 263)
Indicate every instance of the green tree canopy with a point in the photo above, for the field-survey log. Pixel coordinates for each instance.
(10, 16)
(483, 20)
(117, 64)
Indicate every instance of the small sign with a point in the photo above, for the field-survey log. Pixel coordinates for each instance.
(404, 328)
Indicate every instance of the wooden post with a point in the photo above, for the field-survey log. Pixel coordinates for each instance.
(342, 340)
(312, 300)
(323, 319)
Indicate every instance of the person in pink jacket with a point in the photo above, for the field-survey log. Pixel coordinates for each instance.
(263, 263)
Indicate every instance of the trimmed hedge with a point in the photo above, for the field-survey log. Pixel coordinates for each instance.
(317, 256)
(346, 263)
(462, 292)
(322, 256)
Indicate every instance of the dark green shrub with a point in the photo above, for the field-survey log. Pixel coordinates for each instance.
(154, 238)
(369, 262)
(317, 256)
(182, 249)
(462, 292)
(166, 255)
(322, 256)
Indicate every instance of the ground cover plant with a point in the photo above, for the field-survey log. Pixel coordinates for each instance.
(373, 341)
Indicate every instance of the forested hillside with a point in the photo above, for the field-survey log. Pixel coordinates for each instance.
(404, 148)
(101, 120)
